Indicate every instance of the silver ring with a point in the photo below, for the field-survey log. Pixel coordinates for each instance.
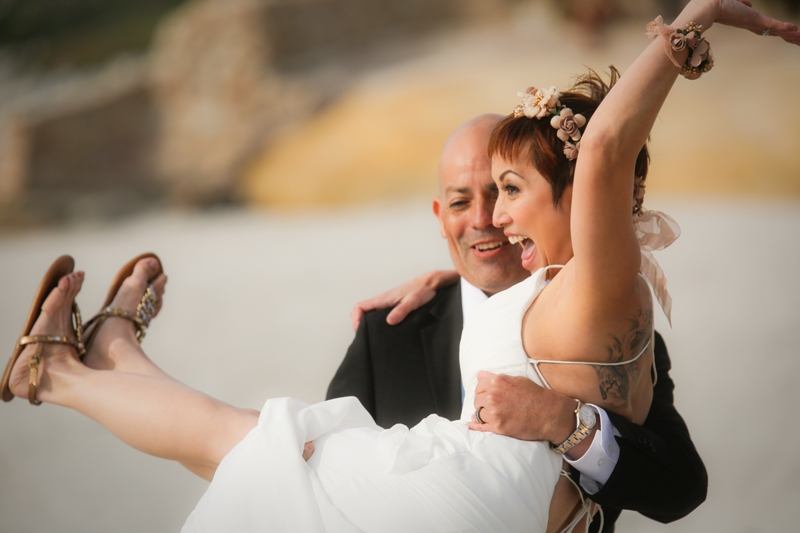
(478, 415)
(767, 32)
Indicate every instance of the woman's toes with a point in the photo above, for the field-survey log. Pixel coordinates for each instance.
(55, 300)
(143, 272)
(159, 286)
(75, 284)
(58, 304)
(146, 269)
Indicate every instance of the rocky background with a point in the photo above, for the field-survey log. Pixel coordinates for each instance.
(177, 106)
(105, 110)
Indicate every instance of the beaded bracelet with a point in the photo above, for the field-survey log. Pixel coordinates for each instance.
(698, 61)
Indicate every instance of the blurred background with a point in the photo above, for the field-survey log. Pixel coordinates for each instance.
(280, 155)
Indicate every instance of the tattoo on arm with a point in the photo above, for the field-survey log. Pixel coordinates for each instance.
(614, 381)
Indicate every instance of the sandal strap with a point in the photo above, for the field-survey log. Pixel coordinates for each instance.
(33, 373)
(36, 358)
(40, 341)
(46, 339)
(116, 312)
(77, 327)
(76, 343)
(146, 309)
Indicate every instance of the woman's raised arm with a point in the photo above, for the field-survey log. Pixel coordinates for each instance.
(606, 252)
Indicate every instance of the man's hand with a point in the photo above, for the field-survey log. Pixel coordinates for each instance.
(517, 407)
(404, 298)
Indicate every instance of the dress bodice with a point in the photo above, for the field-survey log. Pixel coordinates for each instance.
(492, 337)
(492, 340)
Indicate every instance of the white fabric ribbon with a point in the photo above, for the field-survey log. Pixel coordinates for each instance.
(655, 231)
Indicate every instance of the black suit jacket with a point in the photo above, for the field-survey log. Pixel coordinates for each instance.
(405, 372)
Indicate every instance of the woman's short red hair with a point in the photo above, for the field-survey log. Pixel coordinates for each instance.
(523, 137)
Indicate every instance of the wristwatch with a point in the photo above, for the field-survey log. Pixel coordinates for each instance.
(585, 421)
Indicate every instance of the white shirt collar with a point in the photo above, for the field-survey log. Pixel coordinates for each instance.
(471, 297)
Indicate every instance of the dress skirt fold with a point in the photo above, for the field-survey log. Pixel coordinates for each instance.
(436, 476)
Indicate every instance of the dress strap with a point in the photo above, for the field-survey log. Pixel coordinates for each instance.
(536, 362)
(548, 267)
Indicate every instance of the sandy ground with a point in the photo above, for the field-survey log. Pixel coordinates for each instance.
(258, 306)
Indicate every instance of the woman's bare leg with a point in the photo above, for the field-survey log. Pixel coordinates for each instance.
(113, 346)
(158, 416)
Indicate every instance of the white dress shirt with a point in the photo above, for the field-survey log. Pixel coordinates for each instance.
(597, 464)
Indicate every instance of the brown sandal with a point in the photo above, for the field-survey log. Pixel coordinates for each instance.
(145, 310)
(61, 267)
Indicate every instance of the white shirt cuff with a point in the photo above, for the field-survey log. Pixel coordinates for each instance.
(599, 461)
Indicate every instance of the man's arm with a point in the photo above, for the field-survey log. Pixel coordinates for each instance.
(354, 376)
(659, 472)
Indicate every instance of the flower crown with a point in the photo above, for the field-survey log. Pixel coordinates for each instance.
(536, 103)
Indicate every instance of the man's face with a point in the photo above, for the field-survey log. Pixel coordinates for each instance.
(480, 252)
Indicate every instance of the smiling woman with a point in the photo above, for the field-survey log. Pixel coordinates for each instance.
(531, 155)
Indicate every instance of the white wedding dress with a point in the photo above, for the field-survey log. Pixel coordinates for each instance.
(436, 476)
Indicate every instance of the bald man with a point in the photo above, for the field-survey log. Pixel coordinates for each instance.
(403, 368)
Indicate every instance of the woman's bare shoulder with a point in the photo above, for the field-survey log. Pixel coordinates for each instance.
(600, 357)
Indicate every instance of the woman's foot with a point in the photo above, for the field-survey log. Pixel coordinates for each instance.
(114, 345)
(55, 319)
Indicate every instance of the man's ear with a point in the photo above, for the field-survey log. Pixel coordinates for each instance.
(437, 211)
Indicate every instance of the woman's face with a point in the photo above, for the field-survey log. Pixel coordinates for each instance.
(525, 212)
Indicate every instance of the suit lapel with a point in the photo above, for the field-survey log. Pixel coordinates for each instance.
(440, 342)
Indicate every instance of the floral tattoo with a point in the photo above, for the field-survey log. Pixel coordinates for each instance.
(615, 380)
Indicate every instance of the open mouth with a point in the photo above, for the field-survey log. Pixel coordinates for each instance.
(528, 249)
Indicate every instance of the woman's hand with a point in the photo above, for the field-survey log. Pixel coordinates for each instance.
(741, 14)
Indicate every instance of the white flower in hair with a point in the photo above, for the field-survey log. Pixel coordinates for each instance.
(537, 103)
